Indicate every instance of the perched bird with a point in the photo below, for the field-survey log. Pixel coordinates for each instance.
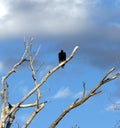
(10, 106)
(62, 57)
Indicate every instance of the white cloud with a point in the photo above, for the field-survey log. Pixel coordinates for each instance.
(81, 22)
(114, 106)
(3, 10)
(63, 93)
(66, 92)
(51, 17)
(110, 108)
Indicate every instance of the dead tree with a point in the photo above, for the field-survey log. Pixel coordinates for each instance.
(8, 110)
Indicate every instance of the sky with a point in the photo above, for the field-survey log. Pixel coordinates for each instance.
(93, 25)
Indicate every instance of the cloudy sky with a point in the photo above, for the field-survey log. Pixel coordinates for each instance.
(93, 25)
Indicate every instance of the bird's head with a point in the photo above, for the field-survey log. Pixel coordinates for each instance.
(61, 50)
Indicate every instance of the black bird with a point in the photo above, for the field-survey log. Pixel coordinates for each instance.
(10, 106)
(62, 57)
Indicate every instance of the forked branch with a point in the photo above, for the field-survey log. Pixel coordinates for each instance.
(93, 92)
(37, 109)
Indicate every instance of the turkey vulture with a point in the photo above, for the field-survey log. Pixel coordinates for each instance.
(62, 57)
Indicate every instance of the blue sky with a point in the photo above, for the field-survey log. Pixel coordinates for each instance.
(93, 25)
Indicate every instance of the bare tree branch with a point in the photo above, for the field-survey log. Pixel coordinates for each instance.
(42, 81)
(30, 105)
(90, 94)
(33, 71)
(26, 105)
(6, 93)
(23, 58)
(9, 111)
(37, 109)
(11, 119)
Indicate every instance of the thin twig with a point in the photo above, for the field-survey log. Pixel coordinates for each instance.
(84, 90)
(31, 43)
(38, 68)
(37, 52)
